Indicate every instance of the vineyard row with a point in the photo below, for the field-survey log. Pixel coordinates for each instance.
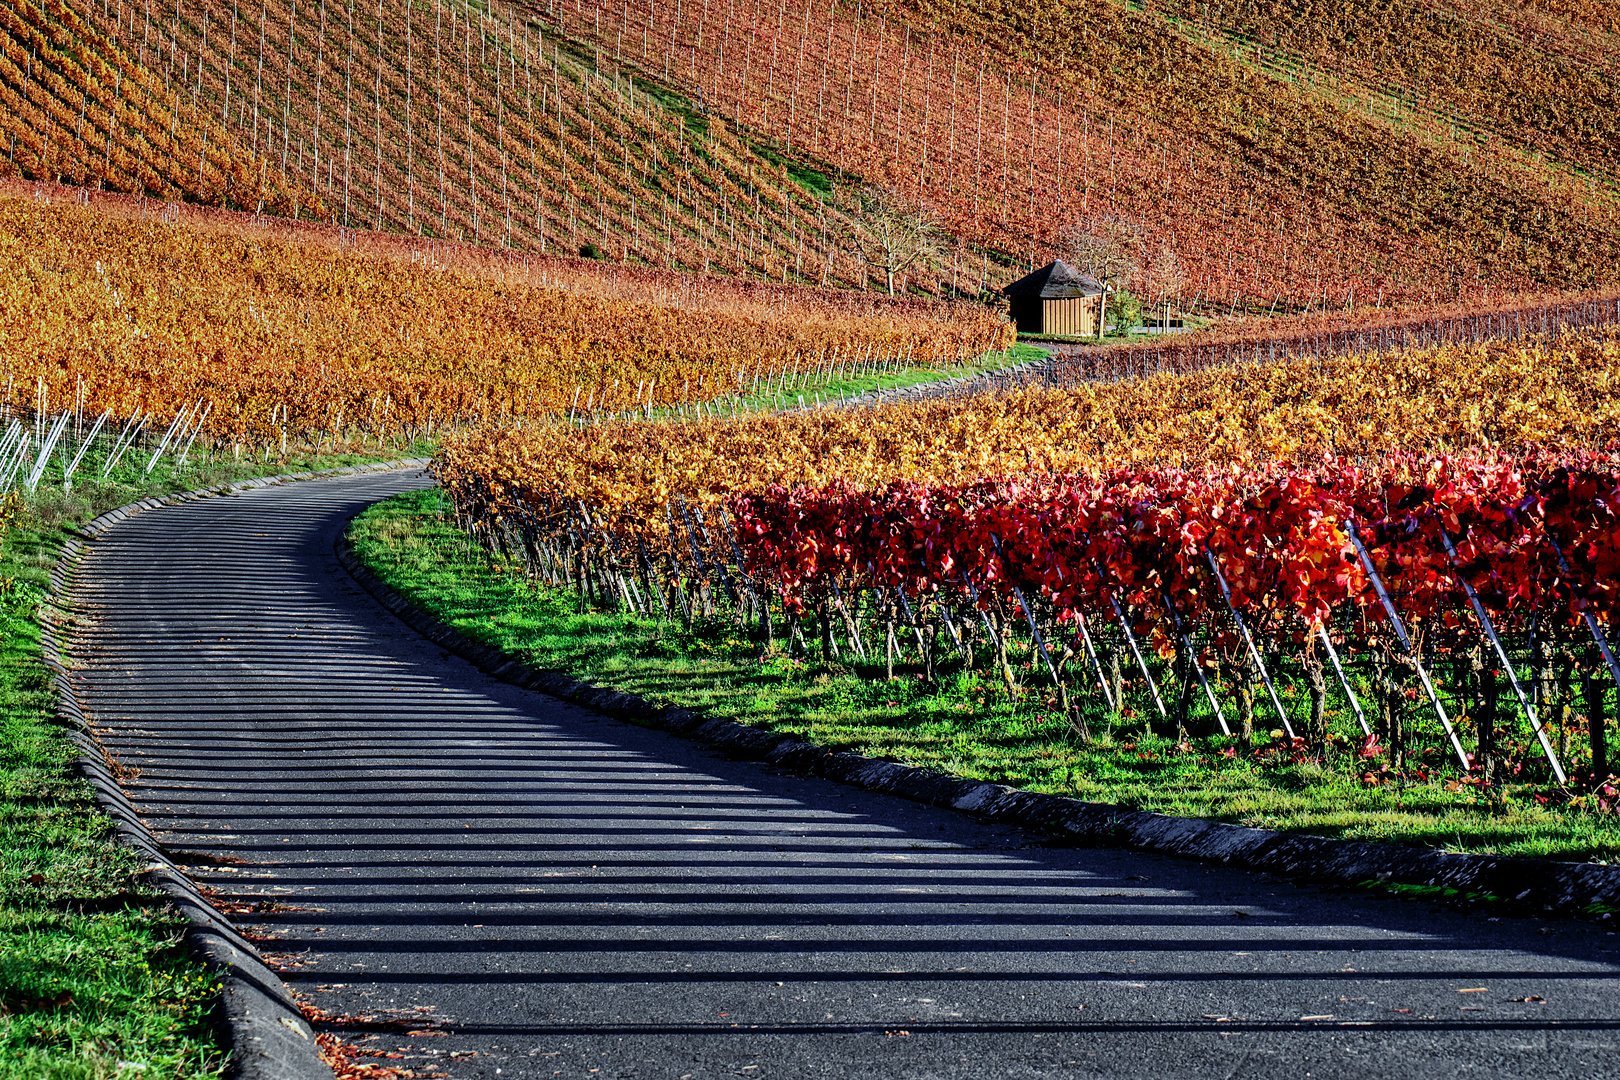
(310, 333)
(445, 120)
(1375, 332)
(1439, 604)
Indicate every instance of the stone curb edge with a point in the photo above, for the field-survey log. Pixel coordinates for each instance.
(269, 1037)
(1546, 886)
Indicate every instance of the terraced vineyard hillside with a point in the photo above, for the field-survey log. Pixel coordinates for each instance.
(432, 117)
(1541, 75)
(1248, 176)
(1260, 157)
(75, 107)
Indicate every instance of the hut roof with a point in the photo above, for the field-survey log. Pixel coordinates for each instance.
(1057, 280)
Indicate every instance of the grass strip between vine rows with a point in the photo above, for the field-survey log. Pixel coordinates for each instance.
(903, 378)
(95, 980)
(966, 725)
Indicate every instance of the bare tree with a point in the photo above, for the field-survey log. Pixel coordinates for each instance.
(1164, 277)
(892, 234)
(1106, 248)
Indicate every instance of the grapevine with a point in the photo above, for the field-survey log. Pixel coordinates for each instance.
(294, 331)
(1402, 562)
(1510, 394)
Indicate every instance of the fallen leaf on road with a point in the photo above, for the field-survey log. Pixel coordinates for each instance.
(347, 1062)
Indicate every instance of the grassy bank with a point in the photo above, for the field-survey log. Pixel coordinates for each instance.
(93, 979)
(966, 725)
(850, 386)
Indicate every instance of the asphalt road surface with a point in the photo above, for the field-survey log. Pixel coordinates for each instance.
(495, 883)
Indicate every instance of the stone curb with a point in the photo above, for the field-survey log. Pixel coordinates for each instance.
(1533, 885)
(269, 1037)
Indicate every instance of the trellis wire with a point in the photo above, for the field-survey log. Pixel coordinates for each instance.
(702, 557)
(1406, 642)
(1507, 665)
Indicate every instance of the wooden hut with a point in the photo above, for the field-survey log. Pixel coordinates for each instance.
(1057, 299)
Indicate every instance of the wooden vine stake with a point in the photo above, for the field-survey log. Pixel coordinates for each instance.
(1501, 653)
(1406, 642)
(1254, 653)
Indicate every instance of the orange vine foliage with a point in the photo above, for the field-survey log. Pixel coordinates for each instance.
(1547, 76)
(308, 331)
(1288, 157)
(74, 107)
(1507, 395)
(1022, 120)
(471, 122)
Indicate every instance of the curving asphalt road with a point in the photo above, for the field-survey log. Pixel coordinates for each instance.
(539, 891)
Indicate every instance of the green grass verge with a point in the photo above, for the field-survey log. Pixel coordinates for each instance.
(836, 389)
(1193, 324)
(966, 725)
(94, 980)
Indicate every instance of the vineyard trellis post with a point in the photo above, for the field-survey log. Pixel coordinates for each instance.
(1592, 624)
(1096, 665)
(1248, 640)
(1141, 662)
(1406, 642)
(1501, 653)
(1344, 681)
(1191, 659)
(84, 447)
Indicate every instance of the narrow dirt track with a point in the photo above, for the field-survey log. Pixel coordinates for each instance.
(543, 891)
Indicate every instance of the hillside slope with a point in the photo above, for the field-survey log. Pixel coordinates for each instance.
(447, 119)
(1022, 121)
(76, 107)
(1263, 155)
(1544, 76)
